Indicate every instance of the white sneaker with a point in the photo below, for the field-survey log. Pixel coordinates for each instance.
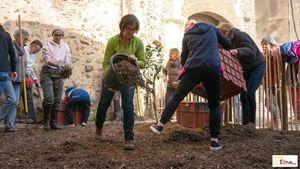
(215, 146)
(70, 125)
(156, 128)
(84, 124)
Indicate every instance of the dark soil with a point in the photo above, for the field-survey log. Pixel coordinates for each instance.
(129, 74)
(66, 71)
(243, 148)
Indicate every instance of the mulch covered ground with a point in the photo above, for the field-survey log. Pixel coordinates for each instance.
(32, 147)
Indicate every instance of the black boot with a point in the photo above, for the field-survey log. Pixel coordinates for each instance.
(54, 125)
(46, 118)
(53, 122)
(47, 125)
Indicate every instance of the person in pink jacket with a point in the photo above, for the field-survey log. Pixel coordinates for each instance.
(56, 53)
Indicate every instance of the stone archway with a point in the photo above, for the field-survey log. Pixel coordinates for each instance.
(208, 17)
(216, 9)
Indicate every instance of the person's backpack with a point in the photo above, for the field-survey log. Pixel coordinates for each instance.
(288, 51)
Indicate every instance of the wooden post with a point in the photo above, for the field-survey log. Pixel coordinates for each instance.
(23, 67)
(276, 82)
(266, 98)
(279, 64)
(297, 85)
(259, 106)
(154, 101)
(232, 110)
(270, 95)
(284, 98)
(289, 88)
(262, 91)
(263, 102)
(140, 104)
(294, 95)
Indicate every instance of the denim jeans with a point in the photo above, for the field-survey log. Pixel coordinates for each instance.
(127, 94)
(9, 110)
(116, 99)
(117, 105)
(212, 80)
(3, 81)
(237, 106)
(253, 79)
(83, 106)
(52, 87)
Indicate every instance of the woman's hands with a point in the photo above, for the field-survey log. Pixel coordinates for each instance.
(132, 58)
(234, 52)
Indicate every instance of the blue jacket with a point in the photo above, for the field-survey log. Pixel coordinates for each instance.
(77, 94)
(200, 47)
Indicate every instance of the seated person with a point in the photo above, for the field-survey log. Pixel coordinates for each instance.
(78, 100)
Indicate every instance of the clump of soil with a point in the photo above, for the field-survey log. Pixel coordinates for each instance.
(186, 136)
(70, 146)
(65, 71)
(129, 74)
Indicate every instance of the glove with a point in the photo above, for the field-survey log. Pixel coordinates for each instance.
(66, 99)
(37, 83)
(29, 82)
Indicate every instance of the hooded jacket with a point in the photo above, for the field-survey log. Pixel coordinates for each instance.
(248, 53)
(77, 94)
(200, 47)
(7, 54)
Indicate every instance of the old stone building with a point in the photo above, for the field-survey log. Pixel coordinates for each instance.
(89, 24)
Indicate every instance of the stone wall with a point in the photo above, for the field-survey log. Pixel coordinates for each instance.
(296, 10)
(274, 17)
(89, 24)
(241, 13)
(272, 21)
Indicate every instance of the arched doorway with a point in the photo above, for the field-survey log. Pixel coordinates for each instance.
(208, 17)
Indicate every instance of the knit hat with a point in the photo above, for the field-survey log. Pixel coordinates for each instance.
(57, 28)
